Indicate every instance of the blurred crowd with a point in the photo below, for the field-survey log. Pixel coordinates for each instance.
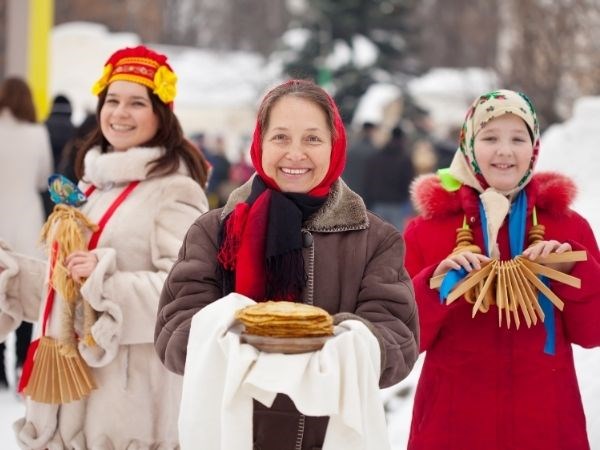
(382, 173)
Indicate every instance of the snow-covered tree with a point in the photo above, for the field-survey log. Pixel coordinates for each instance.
(349, 44)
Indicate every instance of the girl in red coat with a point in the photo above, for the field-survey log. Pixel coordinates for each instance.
(485, 384)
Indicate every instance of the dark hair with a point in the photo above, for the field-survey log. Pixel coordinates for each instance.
(168, 135)
(397, 132)
(61, 105)
(368, 126)
(16, 96)
(305, 89)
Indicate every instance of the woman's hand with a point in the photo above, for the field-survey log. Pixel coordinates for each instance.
(81, 265)
(466, 260)
(544, 248)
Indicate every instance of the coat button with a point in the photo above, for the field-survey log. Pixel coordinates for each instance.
(307, 239)
(472, 219)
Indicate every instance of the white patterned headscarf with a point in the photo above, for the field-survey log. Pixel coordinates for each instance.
(465, 168)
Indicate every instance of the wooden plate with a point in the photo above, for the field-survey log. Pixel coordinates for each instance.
(284, 345)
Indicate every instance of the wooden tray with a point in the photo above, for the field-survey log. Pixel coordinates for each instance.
(291, 345)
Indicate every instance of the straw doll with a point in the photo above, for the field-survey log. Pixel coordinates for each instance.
(55, 371)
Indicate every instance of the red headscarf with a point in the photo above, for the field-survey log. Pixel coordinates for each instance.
(251, 227)
(336, 163)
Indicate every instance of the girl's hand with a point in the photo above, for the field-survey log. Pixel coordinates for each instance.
(81, 265)
(544, 248)
(466, 260)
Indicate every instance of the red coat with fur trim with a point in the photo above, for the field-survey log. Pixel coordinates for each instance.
(485, 387)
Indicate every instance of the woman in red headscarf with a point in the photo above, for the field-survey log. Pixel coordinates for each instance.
(295, 231)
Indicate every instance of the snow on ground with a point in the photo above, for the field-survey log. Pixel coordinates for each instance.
(11, 406)
(11, 409)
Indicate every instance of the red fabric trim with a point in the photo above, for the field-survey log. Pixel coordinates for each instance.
(109, 212)
(28, 365)
(250, 271)
(89, 191)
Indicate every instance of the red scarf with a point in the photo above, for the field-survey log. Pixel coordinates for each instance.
(243, 248)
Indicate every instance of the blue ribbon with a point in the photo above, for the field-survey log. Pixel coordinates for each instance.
(549, 324)
(516, 233)
(451, 279)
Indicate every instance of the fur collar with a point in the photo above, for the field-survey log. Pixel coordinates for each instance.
(107, 169)
(343, 210)
(549, 191)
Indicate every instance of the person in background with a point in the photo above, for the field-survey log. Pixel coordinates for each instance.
(66, 165)
(25, 165)
(422, 142)
(358, 152)
(322, 247)
(219, 174)
(446, 147)
(61, 130)
(485, 384)
(144, 186)
(59, 126)
(241, 170)
(386, 193)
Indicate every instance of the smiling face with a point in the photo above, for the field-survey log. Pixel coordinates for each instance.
(127, 118)
(296, 146)
(503, 150)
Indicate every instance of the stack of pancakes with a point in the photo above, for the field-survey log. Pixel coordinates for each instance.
(285, 319)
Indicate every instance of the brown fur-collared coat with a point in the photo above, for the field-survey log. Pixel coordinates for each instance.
(355, 267)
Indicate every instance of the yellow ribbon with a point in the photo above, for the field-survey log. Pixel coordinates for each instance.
(165, 84)
(102, 82)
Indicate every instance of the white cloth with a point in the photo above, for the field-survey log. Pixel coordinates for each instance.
(222, 376)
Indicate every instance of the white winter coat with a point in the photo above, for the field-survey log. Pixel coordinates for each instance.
(25, 165)
(137, 400)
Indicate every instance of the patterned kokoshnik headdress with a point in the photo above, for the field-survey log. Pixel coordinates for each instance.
(143, 66)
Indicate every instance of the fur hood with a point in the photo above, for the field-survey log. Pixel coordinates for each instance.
(549, 191)
(344, 210)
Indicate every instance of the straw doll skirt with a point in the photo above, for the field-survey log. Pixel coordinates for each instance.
(135, 406)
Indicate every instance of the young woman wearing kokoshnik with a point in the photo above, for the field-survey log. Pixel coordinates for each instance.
(496, 375)
(144, 187)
